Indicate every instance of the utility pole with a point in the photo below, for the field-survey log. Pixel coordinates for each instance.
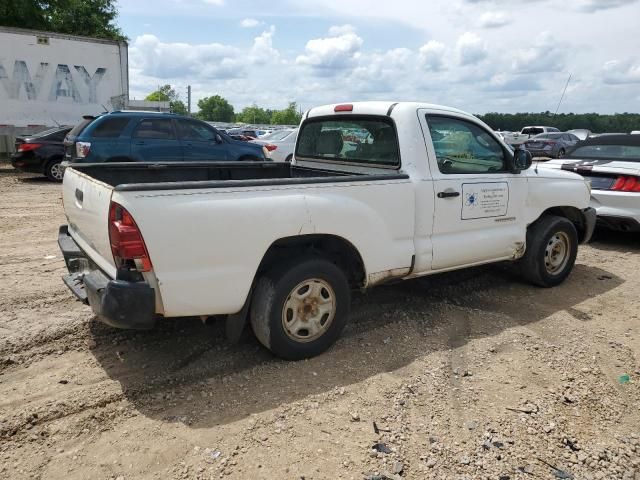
(189, 100)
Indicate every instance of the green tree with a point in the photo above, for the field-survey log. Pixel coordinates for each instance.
(91, 18)
(288, 116)
(166, 93)
(215, 109)
(254, 114)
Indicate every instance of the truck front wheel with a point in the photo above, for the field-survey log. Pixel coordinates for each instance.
(299, 309)
(552, 246)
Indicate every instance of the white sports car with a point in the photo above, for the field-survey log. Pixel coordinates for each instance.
(612, 164)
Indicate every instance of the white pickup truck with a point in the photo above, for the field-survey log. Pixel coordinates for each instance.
(377, 191)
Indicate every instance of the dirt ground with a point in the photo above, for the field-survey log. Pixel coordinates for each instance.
(470, 375)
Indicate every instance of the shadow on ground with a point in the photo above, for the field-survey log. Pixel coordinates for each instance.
(185, 371)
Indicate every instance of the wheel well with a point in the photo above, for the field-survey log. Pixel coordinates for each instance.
(574, 215)
(334, 248)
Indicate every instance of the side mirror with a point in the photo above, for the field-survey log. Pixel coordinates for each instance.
(522, 160)
(218, 138)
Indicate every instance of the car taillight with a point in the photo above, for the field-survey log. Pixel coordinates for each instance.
(83, 149)
(626, 183)
(127, 244)
(270, 147)
(28, 147)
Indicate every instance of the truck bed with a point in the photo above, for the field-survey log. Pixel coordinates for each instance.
(185, 175)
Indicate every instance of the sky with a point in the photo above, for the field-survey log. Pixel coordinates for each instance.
(477, 55)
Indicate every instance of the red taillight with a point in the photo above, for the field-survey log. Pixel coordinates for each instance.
(126, 240)
(626, 184)
(270, 147)
(28, 147)
(343, 108)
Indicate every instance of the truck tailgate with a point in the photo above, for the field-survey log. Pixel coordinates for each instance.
(86, 205)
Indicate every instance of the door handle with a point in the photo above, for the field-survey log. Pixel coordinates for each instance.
(140, 143)
(448, 194)
(79, 195)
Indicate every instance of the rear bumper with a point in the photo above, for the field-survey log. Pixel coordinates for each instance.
(27, 163)
(117, 303)
(617, 210)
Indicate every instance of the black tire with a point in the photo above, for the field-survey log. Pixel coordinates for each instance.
(271, 307)
(561, 153)
(546, 262)
(53, 170)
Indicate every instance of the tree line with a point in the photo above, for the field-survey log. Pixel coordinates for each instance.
(91, 18)
(597, 123)
(217, 109)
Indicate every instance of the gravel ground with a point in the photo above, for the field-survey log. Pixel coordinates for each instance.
(470, 375)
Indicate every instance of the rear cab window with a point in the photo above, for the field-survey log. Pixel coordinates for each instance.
(350, 139)
(532, 131)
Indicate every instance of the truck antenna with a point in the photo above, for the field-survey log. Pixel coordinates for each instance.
(562, 97)
(55, 121)
(105, 108)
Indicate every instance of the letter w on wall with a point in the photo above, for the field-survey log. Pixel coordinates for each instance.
(22, 77)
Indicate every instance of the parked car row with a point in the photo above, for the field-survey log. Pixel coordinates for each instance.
(129, 136)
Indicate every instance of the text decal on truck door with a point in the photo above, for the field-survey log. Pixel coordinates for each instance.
(484, 200)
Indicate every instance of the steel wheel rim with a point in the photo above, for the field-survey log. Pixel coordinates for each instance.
(556, 253)
(56, 171)
(309, 310)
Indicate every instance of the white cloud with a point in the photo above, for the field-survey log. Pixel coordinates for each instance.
(546, 54)
(217, 3)
(336, 51)
(262, 50)
(151, 57)
(595, 5)
(618, 72)
(432, 55)
(470, 49)
(493, 20)
(250, 23)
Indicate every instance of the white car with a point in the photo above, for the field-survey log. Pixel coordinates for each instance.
(612, 165)
(282, 245)
(280, 144)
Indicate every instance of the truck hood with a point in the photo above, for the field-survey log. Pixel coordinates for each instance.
(616, 167)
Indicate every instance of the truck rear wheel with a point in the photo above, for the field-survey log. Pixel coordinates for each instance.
(299, 309)
(552, 247)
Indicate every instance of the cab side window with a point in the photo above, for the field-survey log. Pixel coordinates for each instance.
(463, 147)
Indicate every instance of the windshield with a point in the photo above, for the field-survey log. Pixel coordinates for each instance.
(351, 139)
(628, 153)
(277, 135)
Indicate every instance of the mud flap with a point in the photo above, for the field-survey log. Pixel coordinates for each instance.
(236, 323)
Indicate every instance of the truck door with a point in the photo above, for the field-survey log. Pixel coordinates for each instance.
(154, 140)
(479, 204)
